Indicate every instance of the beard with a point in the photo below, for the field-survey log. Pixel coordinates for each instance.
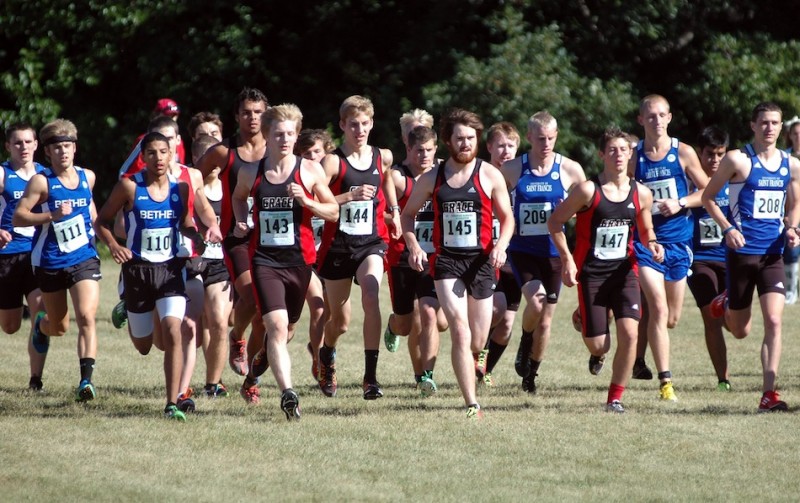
(462, 157)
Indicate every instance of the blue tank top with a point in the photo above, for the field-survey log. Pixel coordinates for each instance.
(757, 206)
(13, 188)
(152, 226)
(708, 243)
(666, 180)
(535, 198)
(70, 240)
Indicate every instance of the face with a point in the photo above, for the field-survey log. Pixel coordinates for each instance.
(208, 128)
(463, 144)
(423, 154)
(172, 137)
(316, 152)
(502, 149)
(616, 155)
(249, 116)
(282, 137)
(356, 129)
(767, 127)
(21, 146)
(794, 137)
(157, 156)
(710, 158)
(61, 155)
(542, 140)
(655, 117)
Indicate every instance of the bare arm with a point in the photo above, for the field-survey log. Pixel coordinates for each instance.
(644, 223)
(423, 190)
(792, 217)
(313, 176)
(501, 207)
(390, 194)
(244, 183)
(215, 157)
(203, 209)
(121, 198)
(580, 197)
(36, 192)
(730, 165)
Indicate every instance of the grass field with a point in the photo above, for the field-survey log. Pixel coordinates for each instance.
(556, 446)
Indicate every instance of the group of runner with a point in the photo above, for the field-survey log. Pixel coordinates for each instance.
(285, 218)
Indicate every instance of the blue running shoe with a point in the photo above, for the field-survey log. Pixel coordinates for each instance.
(85, 391)
(40, 341)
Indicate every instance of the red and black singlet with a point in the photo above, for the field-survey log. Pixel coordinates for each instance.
(397, 255)
(282, 236)
(229, 175)
(360, 223)
(462, 224)
(604, 240)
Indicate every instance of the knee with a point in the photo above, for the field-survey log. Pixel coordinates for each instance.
(11, 326)
(338, 324)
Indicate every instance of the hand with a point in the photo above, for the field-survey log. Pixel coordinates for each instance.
(241, 229)
(734, 239)
(296, 191)
(62, 211)
(792, 238)
(394, 225)
(213, 234)
(657, 250)
(497, 257)
(417, 259)
(363, 193)
(668, 207)
(569, 273)
(120, 254)
(198, 242)
(5, 238)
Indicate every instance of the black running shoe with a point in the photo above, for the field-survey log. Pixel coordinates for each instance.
(529, 383)
(290, 405)
(372, 390)
(260, 363)
(641, 371)
(596, 364)
(522, 363)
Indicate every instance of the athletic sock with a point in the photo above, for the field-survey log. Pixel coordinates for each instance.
(87, 366)
(615, 392)
(495, 352)
(665, 376)
(534, 366)
(418, 378)
(370, 365)
(326, 354)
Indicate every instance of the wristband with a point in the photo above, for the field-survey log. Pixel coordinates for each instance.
(395, 207)
(726, 231)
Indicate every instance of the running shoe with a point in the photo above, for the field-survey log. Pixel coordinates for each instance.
(771, 402)
(250, 392)
(487, 380)
(119, 315)
(327, 378)
(529, 384)
(85, 391)
(372, 390)
(216, 390)
(641, 370)
(314, 362)
(480, 363)
(596, 364)
(35, 384)
(391, 340)
(724, 386)
(427, 386)
(290, 404)
(474, 412)
(667, 393)
(40, 341)
(238, 355)
(615, 407)
(172, 412)
(522, 361)
(260, 363)
(719, 304)
(185, 402)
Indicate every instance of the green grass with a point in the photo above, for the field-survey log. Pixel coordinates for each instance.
(558, 445)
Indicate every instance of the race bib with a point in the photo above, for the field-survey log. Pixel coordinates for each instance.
(318, 225)
(71, 234)
(213, 251)
(611, 243)
(460, 230)
(533, 218)
(355, 218)
(277, 228)
(710, 233)
(495, 230)
(662, 189)
(157, 244)
(424, 232)
(250, 223)
(768, 204)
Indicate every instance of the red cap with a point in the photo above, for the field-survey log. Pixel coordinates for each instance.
(166, 106)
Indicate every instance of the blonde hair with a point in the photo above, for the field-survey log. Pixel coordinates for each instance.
(416, 117)
(58, 128)
(542, 120)
(652, 98)
(504, 128)
(356, 104)
(280, 113)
